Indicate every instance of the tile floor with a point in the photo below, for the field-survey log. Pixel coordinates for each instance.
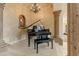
(21, 49)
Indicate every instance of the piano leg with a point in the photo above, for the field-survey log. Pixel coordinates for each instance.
(28, 41)
(51, 43)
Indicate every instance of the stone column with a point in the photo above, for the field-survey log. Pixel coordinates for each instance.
(56, 26)
(2, 43)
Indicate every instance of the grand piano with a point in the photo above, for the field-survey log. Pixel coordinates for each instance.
(32, 33)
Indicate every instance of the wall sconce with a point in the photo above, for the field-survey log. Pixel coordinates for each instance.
(35, 8)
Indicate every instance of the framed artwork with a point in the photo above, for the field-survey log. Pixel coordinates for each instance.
(22, 21)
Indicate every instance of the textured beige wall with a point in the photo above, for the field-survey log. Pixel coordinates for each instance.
(10, 19)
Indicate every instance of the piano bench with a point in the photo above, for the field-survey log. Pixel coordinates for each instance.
(40, 41)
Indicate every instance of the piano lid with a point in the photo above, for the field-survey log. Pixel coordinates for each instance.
(33, 23)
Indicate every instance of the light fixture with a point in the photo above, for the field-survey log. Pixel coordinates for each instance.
(35, 8)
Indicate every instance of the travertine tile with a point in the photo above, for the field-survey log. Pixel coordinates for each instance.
(21, 49)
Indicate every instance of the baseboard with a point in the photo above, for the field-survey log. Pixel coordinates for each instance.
(13, 42)
(16, 41)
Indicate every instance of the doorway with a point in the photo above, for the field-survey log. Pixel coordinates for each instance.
(60, 27)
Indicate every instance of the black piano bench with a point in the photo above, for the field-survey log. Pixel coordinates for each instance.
(39, 41)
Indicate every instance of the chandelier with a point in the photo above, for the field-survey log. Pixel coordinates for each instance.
(35, 8)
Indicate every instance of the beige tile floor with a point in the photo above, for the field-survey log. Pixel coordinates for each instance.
(21, 49)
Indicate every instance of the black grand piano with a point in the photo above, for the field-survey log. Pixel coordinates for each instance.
(32, 32)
